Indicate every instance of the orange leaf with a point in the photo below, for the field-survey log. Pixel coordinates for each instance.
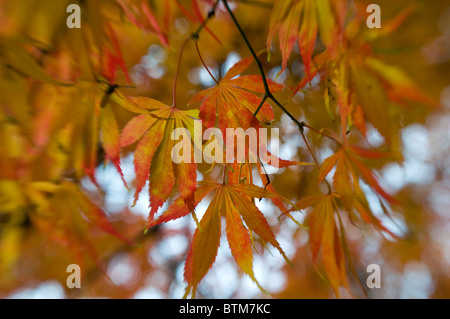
(204, 246)
(110, 137)
(153, 155)
(135, 128)
(308, 34)
(233, 102)
(326, 167)
(144, 153)
(255, 219)
(179, 208)
(239, 239)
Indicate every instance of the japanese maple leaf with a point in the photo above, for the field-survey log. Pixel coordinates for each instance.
(349, 170)
(234, 203)
(364, 87)
(324, 235)
(233, 102)
(80, 130)
(114, 59)
(152, 157)
(66, 215)
(144, 18)
(302, 20)
(110, 138)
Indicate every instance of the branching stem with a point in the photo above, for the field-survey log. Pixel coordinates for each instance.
(211, 14)
(268, 94)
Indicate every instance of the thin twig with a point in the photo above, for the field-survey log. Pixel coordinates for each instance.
(268, 93)
(203, 62)
(174, 93)
(260, 105)
(249, 46)
(193, 36)
(211, 14)
(321, 133)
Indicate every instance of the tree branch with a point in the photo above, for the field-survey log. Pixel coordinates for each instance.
(268, 94)
(249, 46)
(211, 14)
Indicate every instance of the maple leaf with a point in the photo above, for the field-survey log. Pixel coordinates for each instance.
(94, 121)
(72, 133)
(67, 215)
(349, 170)
(144, 18)
(365, 87)
(152, 157)
(232, 101)
(114, 59)
(234, 203)
(325, 235)
(110, 137)
(302, 20)
(14, 55)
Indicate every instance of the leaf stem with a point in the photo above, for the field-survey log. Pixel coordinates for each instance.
(315, 159)
(322, 133)
(194, 36)
(177, 72)
(225, 168)
(203, 62)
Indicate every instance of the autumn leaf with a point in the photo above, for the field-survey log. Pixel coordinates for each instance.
(153, 155)
(325, 236)
(349, 171)
(144, 18)
(114, 59)
(232, 202)
(233, 102)
(366, 87)
(303, 20)
(110, 137)
(13, 55)
(66, 214)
